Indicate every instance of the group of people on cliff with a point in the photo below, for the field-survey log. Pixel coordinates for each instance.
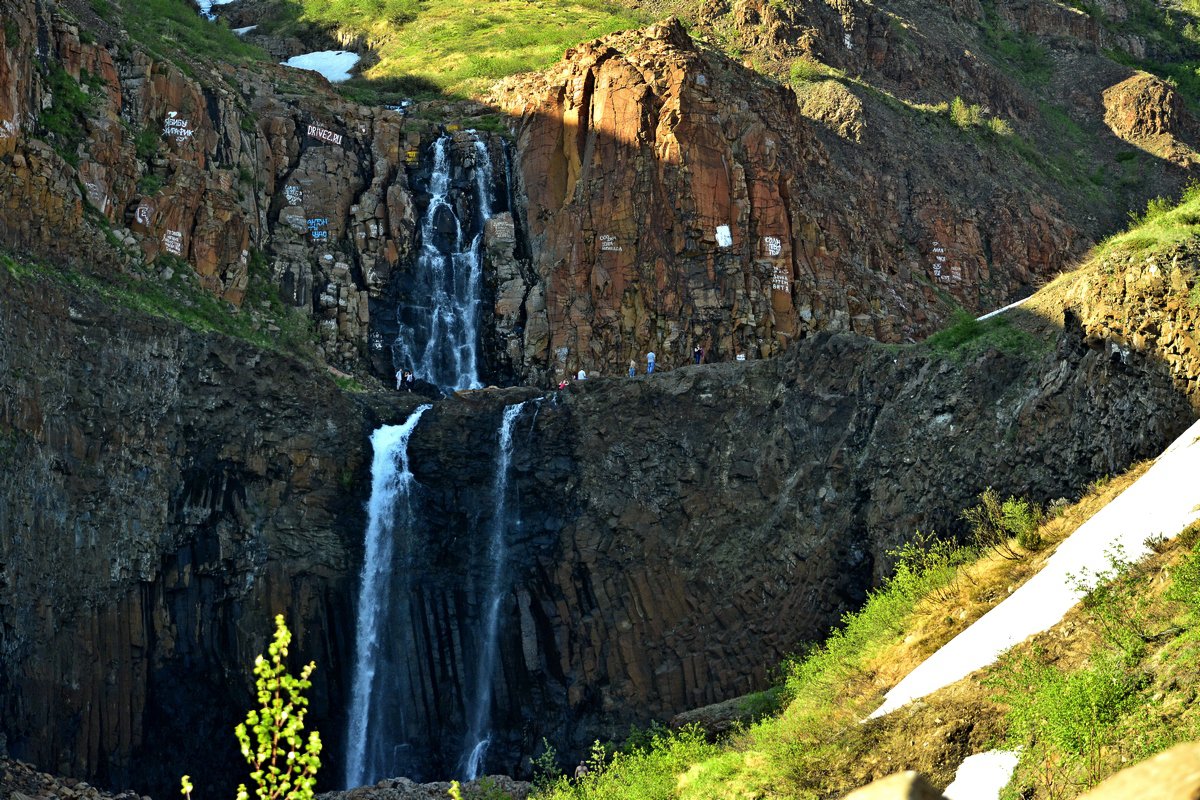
(651, 360)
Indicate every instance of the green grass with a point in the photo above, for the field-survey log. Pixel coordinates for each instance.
(1127, 697)
(459, 47)
(64, 121)
(182, 299)
(1161, 225)
(171, 29)
(966, 337)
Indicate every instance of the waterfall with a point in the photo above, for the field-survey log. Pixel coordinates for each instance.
(390, 514)
(439, 334)
(478, 736)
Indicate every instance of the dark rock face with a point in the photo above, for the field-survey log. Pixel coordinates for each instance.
(682, 532)
(162, 495)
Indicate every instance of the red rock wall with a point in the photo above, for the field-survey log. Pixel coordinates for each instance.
(635, 154)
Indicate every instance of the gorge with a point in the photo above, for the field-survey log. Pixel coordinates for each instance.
(212, 275)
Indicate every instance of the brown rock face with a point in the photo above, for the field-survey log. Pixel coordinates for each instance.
(1145, 111)
(664, 211)
(1173, 775)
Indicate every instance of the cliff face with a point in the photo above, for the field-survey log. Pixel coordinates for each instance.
(679, 533)
(674, 197)
(130, 161)
(164, 492)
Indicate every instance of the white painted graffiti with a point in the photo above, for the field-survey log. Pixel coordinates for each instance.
(173, 242)
(97, 196)
(781, 281)
(8, 129)
(318, 228)
(608, 242)
(143, 213)
(324, 135)
(294, 194)
(772, 245)
(177, 127)
(943, 271)
(724, 236)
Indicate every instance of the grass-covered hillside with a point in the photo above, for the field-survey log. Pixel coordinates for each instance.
(459, 47)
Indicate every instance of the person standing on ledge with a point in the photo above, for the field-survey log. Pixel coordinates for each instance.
(697, 354)
(650, 363)
(632, 368)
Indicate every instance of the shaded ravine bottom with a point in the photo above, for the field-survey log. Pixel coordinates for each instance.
(164, 493)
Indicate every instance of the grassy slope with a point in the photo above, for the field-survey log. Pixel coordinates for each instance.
(1115, 682)
(460, 48)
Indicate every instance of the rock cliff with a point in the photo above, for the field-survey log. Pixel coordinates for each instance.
(164, 490)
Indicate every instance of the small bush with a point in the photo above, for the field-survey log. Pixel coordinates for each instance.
(146, 144)
(1185, 578)
(63, 121)
(994, 523)
(1068, 716)
(804, 70)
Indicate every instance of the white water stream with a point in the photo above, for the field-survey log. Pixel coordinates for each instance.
(439, 333)
(389, 514)
(478, 736)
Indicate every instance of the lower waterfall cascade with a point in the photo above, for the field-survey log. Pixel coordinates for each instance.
(391, 503)
(477, 739)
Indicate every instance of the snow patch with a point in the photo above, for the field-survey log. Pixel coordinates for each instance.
(983, 775)
(245, 30)
(1162, 502)
(335, 65)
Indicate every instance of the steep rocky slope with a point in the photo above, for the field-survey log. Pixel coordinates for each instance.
(165, 489)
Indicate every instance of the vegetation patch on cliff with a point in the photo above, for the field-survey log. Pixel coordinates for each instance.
(264, 321)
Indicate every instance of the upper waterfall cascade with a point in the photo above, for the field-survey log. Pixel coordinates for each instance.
(439, 324)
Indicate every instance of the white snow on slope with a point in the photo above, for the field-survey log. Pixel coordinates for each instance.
(335, 65)
(1164, 501)
(982, 776)
(991, 314)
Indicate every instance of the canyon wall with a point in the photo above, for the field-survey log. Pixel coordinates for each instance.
(164, 490)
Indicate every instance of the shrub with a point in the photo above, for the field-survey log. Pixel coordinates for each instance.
(284, 766)
(806, 71)
(1185, 578)
(1069, 715)
(63, 120)
(994, 523)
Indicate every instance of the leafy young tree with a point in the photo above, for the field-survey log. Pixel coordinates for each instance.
(284, 765)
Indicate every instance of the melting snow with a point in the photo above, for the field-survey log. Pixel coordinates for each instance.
(335, 65)
(1164, 501)
(982, 776)
(991, 314)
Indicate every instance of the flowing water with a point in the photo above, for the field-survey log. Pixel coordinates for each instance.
(370, 752)
(478, 736)
(439, 336)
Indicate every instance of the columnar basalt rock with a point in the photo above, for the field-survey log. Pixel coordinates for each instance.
(664, 211)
